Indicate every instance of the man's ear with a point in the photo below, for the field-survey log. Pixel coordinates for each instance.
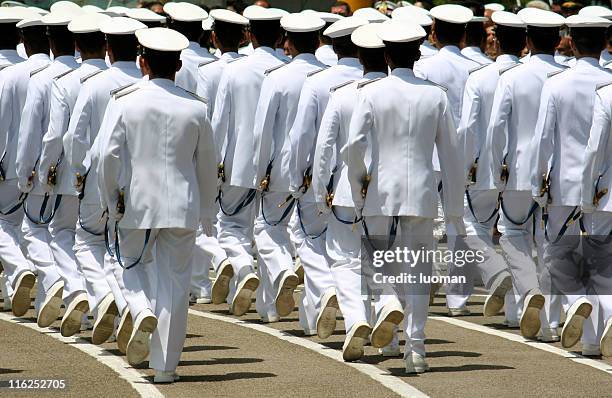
(144, 66)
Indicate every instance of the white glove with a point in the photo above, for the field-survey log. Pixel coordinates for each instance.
(25, 186)
(207, 227)
(542, 201)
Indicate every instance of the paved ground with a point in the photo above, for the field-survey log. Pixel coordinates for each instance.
(227, 360)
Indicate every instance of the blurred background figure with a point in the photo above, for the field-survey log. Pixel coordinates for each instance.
(155, 6)
(385, 7)
(262, 3)
(341, 8)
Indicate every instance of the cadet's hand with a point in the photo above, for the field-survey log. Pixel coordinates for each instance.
(542, 201)
(207, 227)
(323, 209)
(25, 186)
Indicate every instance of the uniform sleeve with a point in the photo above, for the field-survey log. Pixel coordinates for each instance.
(451, 161)
(595, 150)
(30, 135)
(467, 131)
(78, 131)
(206, 171)
(204, 89)
(542, 144)
(111, 164)
(52, 145)
(221, 115)
(99, 147)
(497, 129)
(360, 132)
(322, 166)
(6, 115)
(263, 131)
(302, 136)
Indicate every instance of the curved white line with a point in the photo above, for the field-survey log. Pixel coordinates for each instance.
(393, 383)
(134, 378)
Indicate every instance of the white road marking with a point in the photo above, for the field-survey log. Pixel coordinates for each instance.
(600, 365)
(393, 383)
(115, 363)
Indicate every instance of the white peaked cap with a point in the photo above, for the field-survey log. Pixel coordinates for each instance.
(371, 14)
(87, 23)
(185, 12)
(258, 13)
(39, 10)
(330, 17)
(29, 22)
(506, 18)
(65, 6)
(58, 18)
(410, 14)
(207, 24)
(401, 32)
(541, 18)
(494, 7)
(144, 15)
(583, 21)
(121, 26)
(302, 22)
(16, 14)
(596, 11)
(118, 10)
(366, 36)
(344, 27)
(162, 39)
(452, 13)
(228, 16)
(92, 8)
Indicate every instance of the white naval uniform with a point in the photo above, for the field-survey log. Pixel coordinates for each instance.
(64, 93)
(170, 199)
(187, 77)
(232, 124)
(276, 112)
(605, 57)
(246, 50)
(326, 55)
(399, 145)
(10, 57)
(427, 49)
(449, 68)
(342, 241)
(21, 51)
(559, 144)
(511, 128)
(14, 77)
(82, 132)
(33, 126)
(475, 54)
(477, 103)
(314, 97)
(597, 162)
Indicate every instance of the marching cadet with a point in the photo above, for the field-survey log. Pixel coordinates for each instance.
(33, 126)
(513, 119)
(105, 297)
(149, 18)
(597, 214)
(14, 76)
(481, 198)
(157, 123)
(421, 17)
(9, 35)
(310, 229)
(232, 124)
(396, 123)
(450, 69)
(560, 139)
(598, 11)
(475, 35)
(325, 53)
(54, 175)
(333, 196)
(276, 112)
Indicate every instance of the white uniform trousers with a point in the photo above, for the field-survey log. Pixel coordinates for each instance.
(414, 233)
(89, 250)
(12, 257)
(37, 242)
(343, 242)
(273, 250)
(311, 234)
(517, 241)
(553, 304)
(62, 230)
(171, 263)
(206, 252)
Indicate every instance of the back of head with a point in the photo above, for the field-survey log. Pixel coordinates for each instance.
(192, 30)
(589, 41)
(229, 35)
(61, 40)
(511, 40)
(403, 55)
(9, 36)
(35, 40)
(267, 33)
(373, 59)
(90, 43)
(123, 47)
(543, 39)
(163, 64)
(304, 42)
(448, 33)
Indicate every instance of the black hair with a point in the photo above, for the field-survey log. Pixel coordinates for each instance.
(90, 42)
(229, 34)
(154, 24)
(589, 40)
(448, 33)
(322, 38)
(475, 34)
(191, 30)
(237, 5)
(205, 39)
(403, 55)
(35, 40)
(511, 40)
(61, 39)
(124, 47)
(345, 5)
(9, 36)
(609, 35)
(266, 32)
(372, 59)
(544, 39)
(162, 63)
(344, 47)
(304, 42)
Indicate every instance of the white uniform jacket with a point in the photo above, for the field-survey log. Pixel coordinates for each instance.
(427, 50)
(209, 75)
(399, 119)
(191, 57)
(475, 54)
(10, 57)
(326, 55)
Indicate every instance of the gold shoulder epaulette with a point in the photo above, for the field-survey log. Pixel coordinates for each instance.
(116, 90)
(5, 66)
(555, 73)
(607, 63)
(277, 67)
(437, 85)
(207, 62)
(194, 95)
(35, 71)
(125, 92)
(314, 72)
(507, 68)
(63, 74)
(331, 90)
(479, 67)
(85, 78)
(235, 59)
(602, 85)
(363, 84)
